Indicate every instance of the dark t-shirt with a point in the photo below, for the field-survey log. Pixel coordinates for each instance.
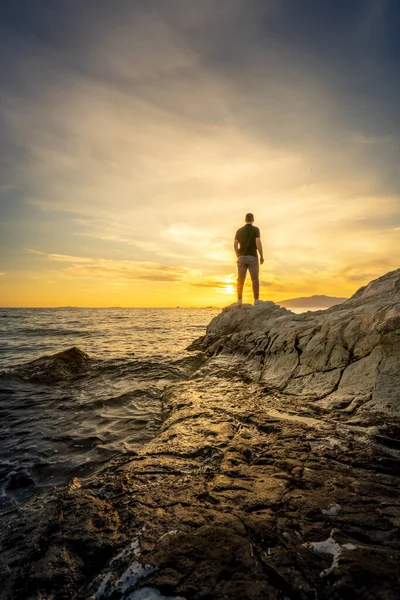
(247, 240)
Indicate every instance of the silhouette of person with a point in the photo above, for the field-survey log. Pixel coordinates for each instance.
(246, 244)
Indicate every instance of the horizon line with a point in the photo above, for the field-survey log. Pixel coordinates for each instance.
(107, 307)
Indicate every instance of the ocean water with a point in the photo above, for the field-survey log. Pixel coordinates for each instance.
(50, 433)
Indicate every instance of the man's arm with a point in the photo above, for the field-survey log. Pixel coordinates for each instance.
(260, 250)
(236, 246)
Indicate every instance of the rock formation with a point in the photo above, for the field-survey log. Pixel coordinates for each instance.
(275, 473)
(346, 357)
(58, 367)
(312, 302)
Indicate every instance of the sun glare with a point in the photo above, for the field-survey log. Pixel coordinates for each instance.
(228, 289)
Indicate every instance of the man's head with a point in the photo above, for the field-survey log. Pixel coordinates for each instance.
(249, 218)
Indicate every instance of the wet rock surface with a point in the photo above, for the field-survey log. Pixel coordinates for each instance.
(274, 475)
(58, 367)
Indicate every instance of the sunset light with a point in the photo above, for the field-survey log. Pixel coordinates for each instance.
(229, 289)
(199, 299)
(131, 156)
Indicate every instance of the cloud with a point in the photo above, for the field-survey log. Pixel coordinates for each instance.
(211, 283)
(148, 132)
(59, 257)
(361, 138)
(272, 285)
(101, 268)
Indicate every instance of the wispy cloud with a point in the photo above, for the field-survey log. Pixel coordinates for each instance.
(146, 135)
(361, 138)
(101, 268)
(225, 283)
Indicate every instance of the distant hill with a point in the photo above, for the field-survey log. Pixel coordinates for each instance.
(311, 302)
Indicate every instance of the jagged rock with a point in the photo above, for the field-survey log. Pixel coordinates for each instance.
(331, 357)
(312, 302)
(274, 475)
(57, 367)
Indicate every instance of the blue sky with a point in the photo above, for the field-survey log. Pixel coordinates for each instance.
(135, 136)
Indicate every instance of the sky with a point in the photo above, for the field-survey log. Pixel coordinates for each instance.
(135, 136)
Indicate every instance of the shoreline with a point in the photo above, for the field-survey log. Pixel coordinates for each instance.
(275, 472)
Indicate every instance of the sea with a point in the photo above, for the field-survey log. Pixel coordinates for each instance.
(50, 433)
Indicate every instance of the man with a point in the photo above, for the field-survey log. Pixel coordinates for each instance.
(247, 242)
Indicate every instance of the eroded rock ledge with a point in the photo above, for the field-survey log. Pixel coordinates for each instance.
(275, 474)
(343, 357)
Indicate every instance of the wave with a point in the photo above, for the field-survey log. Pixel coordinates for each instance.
(66, 413)
(128, 398)
(74, 364)
(50, 433)
(63, 414)
(51, 331)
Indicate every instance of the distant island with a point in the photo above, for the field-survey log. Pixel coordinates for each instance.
(311, 302)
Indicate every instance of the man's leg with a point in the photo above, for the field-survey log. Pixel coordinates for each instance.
(254, 269)
(242, 270)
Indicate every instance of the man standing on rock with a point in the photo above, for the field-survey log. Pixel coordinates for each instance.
(247, 242)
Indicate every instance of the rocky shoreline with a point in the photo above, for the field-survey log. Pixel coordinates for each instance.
(274, 476)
